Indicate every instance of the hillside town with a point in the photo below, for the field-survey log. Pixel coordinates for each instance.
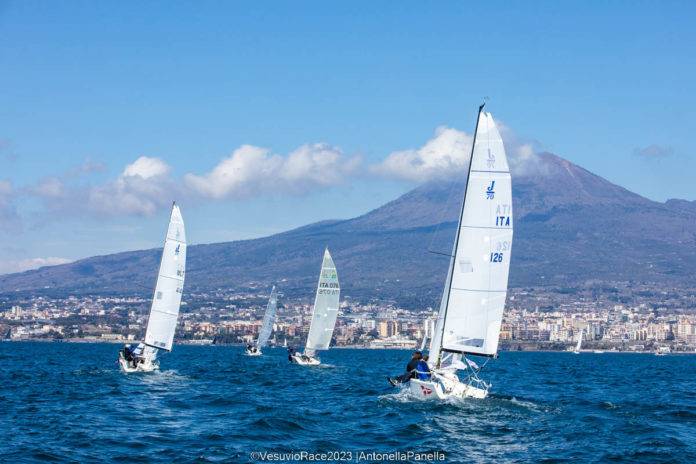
(534, 319)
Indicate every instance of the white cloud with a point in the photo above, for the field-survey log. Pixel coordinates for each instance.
(447, 152)
(142, 188)
(652, 152)
(8, 267)
(146, 168)
(254, 170)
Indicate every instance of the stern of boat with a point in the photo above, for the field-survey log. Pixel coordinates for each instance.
(304, 360)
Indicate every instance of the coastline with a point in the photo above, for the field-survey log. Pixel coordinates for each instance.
(352, 347)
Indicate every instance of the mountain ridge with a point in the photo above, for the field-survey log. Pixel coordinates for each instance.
(571, 226)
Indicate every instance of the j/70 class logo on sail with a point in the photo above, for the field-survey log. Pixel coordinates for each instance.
(490, 191)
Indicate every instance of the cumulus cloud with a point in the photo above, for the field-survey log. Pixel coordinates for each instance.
(8, 267)
(143, 187)
(146, 168)
(447, 153)
(254, 170)
(652, 152)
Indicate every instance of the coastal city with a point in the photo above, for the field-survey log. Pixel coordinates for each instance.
(645, 319)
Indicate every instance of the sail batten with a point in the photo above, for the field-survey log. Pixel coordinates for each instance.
(474, 296)
(325, 311)
(166, 300)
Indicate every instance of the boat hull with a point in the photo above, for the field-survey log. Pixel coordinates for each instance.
(444, 388)
(304, 360)
(252, 353)
(144, 366)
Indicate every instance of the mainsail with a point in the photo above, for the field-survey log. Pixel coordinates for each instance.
(472, 303)
(170, 283)
(268, 319)
(325, 307)
(579, 345)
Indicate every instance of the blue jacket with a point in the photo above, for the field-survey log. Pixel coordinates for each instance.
(423, 371)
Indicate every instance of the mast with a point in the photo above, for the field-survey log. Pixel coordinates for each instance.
(448, 290)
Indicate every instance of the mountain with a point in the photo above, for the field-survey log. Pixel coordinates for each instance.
(571, 226)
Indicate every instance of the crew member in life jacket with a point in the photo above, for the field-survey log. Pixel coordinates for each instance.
(411, 369)
(128, 355)
(422, 369)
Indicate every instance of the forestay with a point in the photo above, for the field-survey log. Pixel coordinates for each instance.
(170, 283)
(268, 319)
(474, 296)
(325, 307)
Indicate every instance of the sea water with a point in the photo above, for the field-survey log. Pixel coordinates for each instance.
(64, 402)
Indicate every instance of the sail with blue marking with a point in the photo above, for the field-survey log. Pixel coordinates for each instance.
(473, 300)
(166, 300)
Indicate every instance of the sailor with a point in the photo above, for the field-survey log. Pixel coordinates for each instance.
(128, 353)
(422, 369)
(410, 370)
(291, 351)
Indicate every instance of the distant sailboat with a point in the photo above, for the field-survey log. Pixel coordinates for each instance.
(663, 350)
(324, 316)
(266, 326)
(166, 300)
(473, 300)
(427, 333)
(577, 347)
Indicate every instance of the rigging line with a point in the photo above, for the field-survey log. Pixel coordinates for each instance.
(449, 255)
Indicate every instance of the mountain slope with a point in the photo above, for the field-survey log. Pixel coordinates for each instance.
(571, 226)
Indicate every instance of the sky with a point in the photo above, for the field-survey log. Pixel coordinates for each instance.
(258, 117)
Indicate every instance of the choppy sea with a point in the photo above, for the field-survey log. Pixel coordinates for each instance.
(63, 402)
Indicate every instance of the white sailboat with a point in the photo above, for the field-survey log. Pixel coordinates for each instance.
(579, 345)
(266, 326)
(427, 333)
(166, 300)
(473, 299)
(324, 316)
(663, 350)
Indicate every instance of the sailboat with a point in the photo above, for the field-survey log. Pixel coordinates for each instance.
(166, 300)
(324, 315)
(427, 333)
(471, 310)
(577, 347)
(266, 326)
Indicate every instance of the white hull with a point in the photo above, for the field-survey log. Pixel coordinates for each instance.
(304, 360)
(444, 388)
(142, 366)
(252, 353)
